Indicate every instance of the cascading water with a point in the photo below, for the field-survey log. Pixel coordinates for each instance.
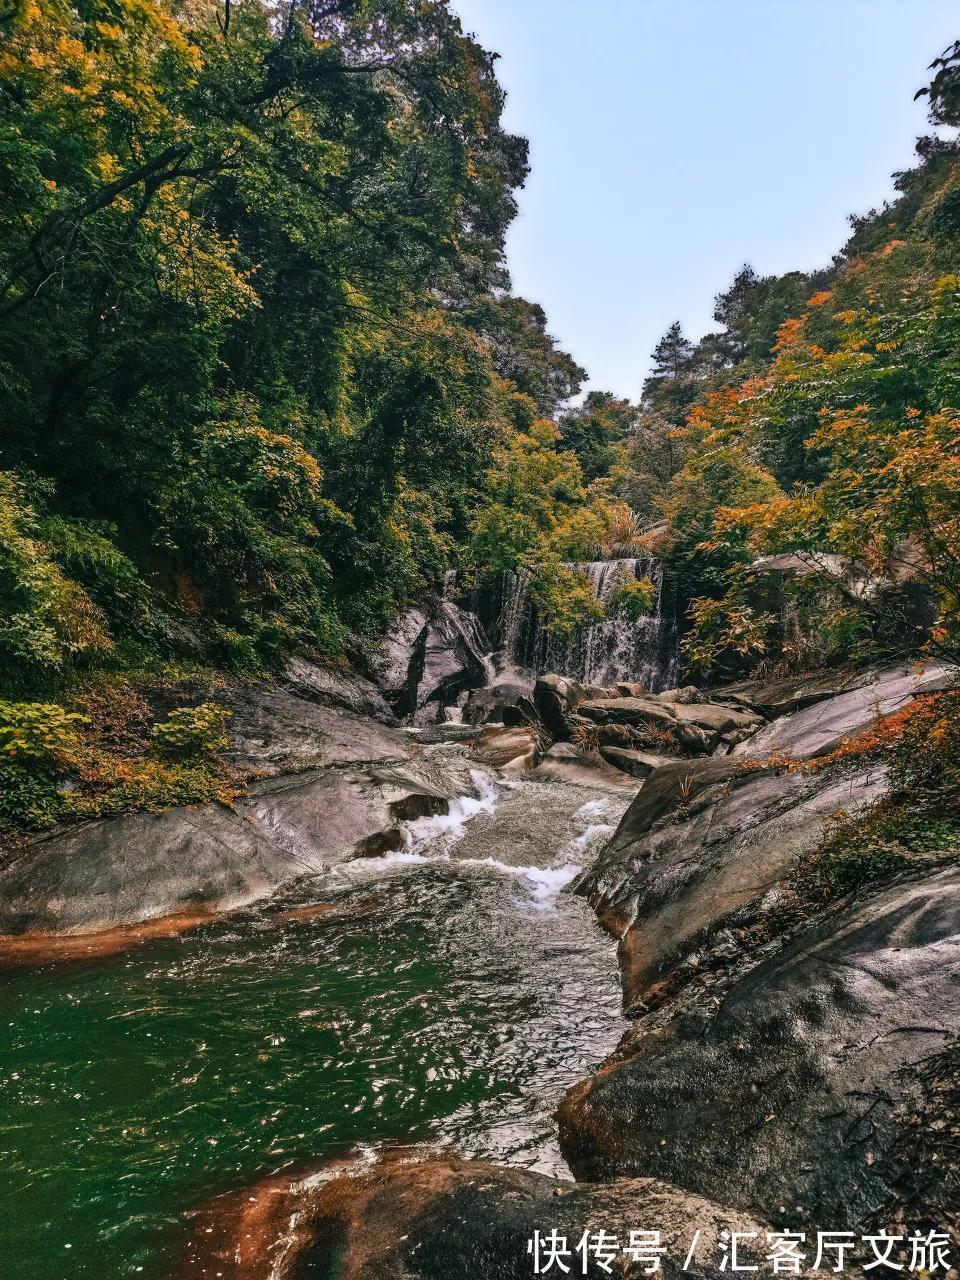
(609, 651)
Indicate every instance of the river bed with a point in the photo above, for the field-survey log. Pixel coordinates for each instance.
(452, 998)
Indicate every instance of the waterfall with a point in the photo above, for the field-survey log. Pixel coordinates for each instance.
(611, 651)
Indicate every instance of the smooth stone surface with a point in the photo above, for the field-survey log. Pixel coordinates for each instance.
(512, 748)
(439, 1217)
(697, 844)
(819, 729)
(273, 731)
(639, 764)
(212, 858)
(797, 1085)
(338, 687)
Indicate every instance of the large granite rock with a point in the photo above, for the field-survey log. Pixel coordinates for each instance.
(798, 1086)
(512, 748)
(273, 731)
(701, 840)
(658, 720)
(433, 656)
(438, 1217)
(494, 703)
(821, 727)
(555, 697)
(120, 871)
(335, 687)
(326, 786)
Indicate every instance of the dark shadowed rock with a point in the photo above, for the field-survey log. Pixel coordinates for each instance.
(438, 1217)
(639, 764)
(487, 705)
(794, 1085)
(700, 841)
(335, 687)
(555, 697)
(649, 711)
(432, 657)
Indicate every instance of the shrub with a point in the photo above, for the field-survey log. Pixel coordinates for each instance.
(87, 552)
(918, 822)
(191, 732)
(632, 598)
(38, 735)
(46, 619)
(926, 754)
(28, 801)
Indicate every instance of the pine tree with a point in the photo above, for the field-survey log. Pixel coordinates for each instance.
(673, 355)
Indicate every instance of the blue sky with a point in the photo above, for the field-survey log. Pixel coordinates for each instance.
(673, 140)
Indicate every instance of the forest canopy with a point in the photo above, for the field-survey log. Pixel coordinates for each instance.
(264, 378)
(259, 357)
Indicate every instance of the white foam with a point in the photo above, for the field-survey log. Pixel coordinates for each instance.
(544, 883)
(441, 831)
(593, 808)
(579, 845)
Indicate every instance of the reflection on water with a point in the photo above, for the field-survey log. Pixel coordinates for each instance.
(453, 999)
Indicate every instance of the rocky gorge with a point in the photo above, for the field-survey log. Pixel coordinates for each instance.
(788, 1062)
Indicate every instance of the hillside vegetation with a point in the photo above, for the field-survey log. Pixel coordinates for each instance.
(264, 380)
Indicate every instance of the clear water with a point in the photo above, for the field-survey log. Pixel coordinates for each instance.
(452, 1001)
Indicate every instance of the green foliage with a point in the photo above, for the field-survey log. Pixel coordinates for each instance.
(193, 731)
(716, 475)
(596, 432)
(564, 599)
(38, 741)
(88, 554)
(926, 754)
(38, 733)
(244, 377)
(632, 598)
(889, 839)
(46, 619)
(28, 801)
(722, 632)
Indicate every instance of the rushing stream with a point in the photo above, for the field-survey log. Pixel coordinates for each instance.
(452, 998)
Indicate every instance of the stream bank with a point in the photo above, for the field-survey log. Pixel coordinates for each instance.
(450, 997)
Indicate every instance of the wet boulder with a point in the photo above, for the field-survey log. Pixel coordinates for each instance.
(513, 748)
(798, 1085)
(423, 1216)
(702, 839)
(556, 697)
